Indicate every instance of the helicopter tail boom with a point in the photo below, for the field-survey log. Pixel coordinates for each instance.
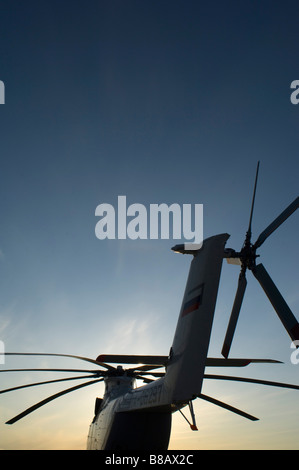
(193, 331)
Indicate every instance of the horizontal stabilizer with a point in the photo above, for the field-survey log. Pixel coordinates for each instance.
(162, 360)
(238, 362)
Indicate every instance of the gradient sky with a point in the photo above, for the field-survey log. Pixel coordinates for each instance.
(164, 102)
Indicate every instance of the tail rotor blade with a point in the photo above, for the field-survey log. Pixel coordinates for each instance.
(234, 315)
(277, 222)
(253, 198)
(282, 309)
(227, 407)
(47, 400)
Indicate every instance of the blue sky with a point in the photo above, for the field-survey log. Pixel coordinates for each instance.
(164, 102)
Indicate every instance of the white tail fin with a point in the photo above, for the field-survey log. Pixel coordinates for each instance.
(191, 341)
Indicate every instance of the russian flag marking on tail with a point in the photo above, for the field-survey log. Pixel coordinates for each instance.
(194, 303)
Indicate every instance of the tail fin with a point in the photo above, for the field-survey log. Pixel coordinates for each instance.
(191, 341)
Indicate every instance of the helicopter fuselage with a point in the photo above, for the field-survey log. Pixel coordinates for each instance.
(129, 415)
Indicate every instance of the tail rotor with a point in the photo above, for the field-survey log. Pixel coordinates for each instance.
(247, 258)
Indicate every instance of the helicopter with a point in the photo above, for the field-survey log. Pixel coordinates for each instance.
(128, 417)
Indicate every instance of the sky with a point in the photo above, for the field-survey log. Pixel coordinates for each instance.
(163, 102)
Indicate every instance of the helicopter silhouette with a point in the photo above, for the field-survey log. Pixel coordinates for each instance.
(139, 418)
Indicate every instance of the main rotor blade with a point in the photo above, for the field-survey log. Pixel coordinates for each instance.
(51, 370)
(154, 374)
(143, 368)
(47, 400)
(242, 283)
(133, 359)
(283, 311)
(87, 359)
(253, 381)
(277, 222)
(227, 407)
(145, 379)
(43, 383)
